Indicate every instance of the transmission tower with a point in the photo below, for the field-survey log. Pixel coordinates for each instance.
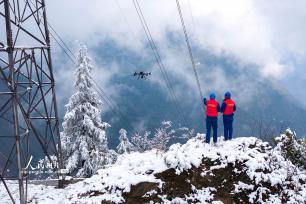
(29, 122)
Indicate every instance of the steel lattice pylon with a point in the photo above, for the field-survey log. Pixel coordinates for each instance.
(28, 112)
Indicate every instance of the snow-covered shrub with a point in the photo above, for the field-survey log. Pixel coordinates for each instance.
(100, 160)
(292, 148)
(185, 133)
(84, 139)
(124, 146)
(142, 143)
(162, 135)
(236, 171)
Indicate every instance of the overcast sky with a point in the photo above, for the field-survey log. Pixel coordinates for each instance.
(267, 34)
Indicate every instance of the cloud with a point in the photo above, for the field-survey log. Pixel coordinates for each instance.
(64, 73)
(260, 35)
(243, 29)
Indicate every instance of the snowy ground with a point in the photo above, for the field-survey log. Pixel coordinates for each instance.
(263, 164)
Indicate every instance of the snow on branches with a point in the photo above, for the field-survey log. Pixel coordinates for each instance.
(124, 146)
(142, 143)
(161, 137)
(84, 139)
(292, 148)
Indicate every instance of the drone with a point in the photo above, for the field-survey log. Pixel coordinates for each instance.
(1, 45)
(142, 75)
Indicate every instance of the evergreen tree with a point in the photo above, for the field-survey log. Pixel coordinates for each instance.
(292, 148)
(84, 140)
(124, 146)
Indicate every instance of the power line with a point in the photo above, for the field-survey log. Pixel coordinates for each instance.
(59, 37)
(190, 51)
(69, 56)
(113, 106)
(153, 45)
(65, 45)
(124, 18)
(158, 59)
(192, 16)
(107, 100)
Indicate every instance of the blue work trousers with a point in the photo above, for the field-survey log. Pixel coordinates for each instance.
(211, 123)
(228, 126)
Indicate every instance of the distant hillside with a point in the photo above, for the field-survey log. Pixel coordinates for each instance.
(145, 104)
(262, 103)
(244, 170)
(264, 109)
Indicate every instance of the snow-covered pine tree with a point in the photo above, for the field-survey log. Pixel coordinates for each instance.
(124, 146)
(292, 148)
(84, 140)
(162, 135)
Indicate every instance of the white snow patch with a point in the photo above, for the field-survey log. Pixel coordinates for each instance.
(131, 169)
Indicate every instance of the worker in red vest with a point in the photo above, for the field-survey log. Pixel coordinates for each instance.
(228, 108)
(212, 109)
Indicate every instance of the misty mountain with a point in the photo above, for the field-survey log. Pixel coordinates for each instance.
(264, 107)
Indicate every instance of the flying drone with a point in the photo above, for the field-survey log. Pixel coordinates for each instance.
(142, 75)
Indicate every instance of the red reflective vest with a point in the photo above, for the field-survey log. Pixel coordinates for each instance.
(229, 108)
(212, 108)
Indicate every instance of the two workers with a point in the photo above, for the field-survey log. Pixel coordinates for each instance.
(228, 108)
